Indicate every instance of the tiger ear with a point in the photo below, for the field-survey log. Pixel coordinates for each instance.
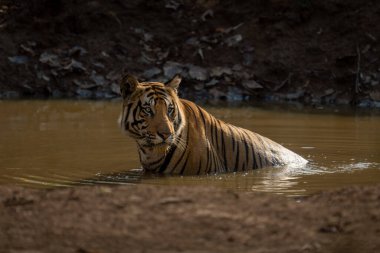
(128, 85)
(174, 83)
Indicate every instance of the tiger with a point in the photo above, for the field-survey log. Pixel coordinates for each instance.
(176, 136)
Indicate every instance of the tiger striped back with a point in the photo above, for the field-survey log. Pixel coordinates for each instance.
(177, 136)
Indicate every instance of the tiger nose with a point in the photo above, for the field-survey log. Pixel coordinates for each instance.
(164, 135)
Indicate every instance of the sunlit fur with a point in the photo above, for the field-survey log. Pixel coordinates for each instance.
(176, 136)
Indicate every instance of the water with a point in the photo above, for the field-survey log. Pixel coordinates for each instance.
(71, 143)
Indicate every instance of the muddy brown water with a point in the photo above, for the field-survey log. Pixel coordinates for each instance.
(73, 143)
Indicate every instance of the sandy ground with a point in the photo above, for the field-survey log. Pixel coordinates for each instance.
(187, 219)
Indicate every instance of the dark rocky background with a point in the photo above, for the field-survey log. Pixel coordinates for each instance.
(314, 52)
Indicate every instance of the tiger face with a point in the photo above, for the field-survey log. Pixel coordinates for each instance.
(151, 113)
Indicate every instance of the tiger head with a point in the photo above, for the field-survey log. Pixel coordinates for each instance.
(151, 112)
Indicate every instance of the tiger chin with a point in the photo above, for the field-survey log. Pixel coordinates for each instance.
(176, 136)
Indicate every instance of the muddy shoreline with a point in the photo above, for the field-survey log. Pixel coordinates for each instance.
(146, 218)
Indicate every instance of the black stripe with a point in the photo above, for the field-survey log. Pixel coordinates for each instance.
(215, 134)
(183, 152)
(223, 148)
(138, 106)
(168, 158)
(236, 168)
(179, 160)
(232, 137)
(184, 165)
(264, 148)
(156, 162)
(199, 166)
(162, 94)
(142, 150)
(215, 162)
(246, 151)
(195, 116)
(208, 158)
(128, 110)
(136, 122)
(202, 116)
(212, 134)
(257, 164)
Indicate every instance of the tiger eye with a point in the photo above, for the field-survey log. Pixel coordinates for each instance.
(170, 110)
(147, 111)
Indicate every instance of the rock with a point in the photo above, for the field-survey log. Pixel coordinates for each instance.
(209, 39)
(206, 14)
(366, 79)
(11, 94)
(251, 85)
(198, 73)
(115, 88)
(27, 50)
(247, 59)
(162, 55)
(212, 82)
(342, 101)
(365, 103)
(219, 71)
(174, 5)
(295, 95)
(172, 68)
(98, 79)
(242, 75)
(56, 94)
(233, 40)
(192, 41)
(152, 72)
(41, 75)
(329, 92)
(77, 50)
(232, 28)
(31, 43)
(18, 59)
(103, 94)
(105, 54)
(84, 85)
(200, 53)
(54, 72)
(83, 93)
(145, 58)
(235, 94)
(75, 66)
(148, 37)
(99, 65)
(199, 86)
(217, 93)
(113, 75)
(375, 95)
(237, 67)
(50, 59)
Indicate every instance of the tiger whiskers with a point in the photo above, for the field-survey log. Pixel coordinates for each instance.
(218, 159)
(180, 143)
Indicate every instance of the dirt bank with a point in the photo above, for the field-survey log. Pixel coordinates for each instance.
(186, 219)
(316, 52)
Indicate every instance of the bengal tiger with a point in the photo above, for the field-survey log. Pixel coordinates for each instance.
(176, 136)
